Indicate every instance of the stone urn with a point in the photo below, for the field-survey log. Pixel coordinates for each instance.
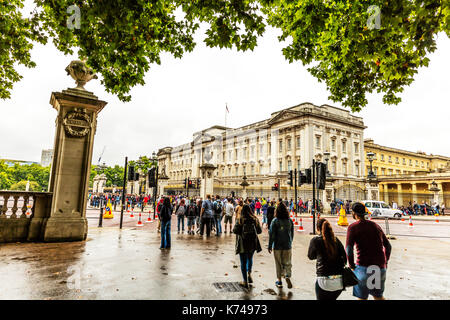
(80, 72)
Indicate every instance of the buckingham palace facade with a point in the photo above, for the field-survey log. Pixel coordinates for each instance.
(265, 151)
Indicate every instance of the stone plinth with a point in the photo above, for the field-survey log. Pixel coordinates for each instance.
(207, 182)
(69, 179)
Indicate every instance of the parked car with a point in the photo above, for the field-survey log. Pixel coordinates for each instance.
(381, 209)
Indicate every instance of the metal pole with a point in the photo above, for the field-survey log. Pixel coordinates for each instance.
(187, 188)
(124, 190)
(279, 189)
(313, 209)
(100, 219)
(155, 191)
(295, 191)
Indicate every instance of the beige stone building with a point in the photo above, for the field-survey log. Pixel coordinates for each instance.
(406, 176)
(266, 150)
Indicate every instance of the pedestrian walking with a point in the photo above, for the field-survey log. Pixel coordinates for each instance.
(331, 259)
(206, 216)
(229, 211)
(270, 213)
(180, 212)
(238, 209)
(247, 229)
(374, 251)
(264, 214)
(191, 216)
(258, 207)
(165, 218)
(218, 213)
(281, 234)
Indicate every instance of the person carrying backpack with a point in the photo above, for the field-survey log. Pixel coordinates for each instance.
(165, 217)
(229, 211)
(180, 211)
(207, 215)
(218, 213)
(191, 216)
(247, 228)
(281, 234)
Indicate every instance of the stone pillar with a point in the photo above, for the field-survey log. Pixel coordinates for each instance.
(207, 182)
(386, 193)
(373, 191)
(399, 194)
(440, 193)
(76, 124)
(414, 191)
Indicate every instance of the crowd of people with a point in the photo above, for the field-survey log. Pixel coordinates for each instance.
(207, 215)
(414, 208)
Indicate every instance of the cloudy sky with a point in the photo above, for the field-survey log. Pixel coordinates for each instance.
(185, 95)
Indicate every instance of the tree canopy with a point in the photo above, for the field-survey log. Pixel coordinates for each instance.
(121, 39)
(15, 177)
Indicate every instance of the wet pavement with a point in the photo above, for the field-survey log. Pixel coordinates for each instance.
(128, 264)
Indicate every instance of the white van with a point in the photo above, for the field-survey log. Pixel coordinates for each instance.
(381, 209)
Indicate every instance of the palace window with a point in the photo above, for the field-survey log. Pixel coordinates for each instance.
(357, 169)
(317, 141)
(288, 144)
(404, 161)
(344, 167)
(333, 145)
(289, 165)
(390, 159)
(261, 150)
(298, 142)
(253, 151)
(280, 145)
(298, 164)
(382, 157)
(356, 147)
(383, 171)
(281, 165)
(396, 160)
(417, 163)
(344, 146)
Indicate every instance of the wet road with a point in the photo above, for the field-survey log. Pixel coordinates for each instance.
(127, 264)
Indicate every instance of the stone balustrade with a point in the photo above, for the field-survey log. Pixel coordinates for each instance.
(22, 215)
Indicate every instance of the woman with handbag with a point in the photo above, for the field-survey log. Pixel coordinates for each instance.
(247, 228)
(331, 260)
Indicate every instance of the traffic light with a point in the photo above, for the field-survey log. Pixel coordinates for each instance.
(152, 177)
(131, 173)
(321, 175)
(301, 178)
(190, 184)
(136, 176)
(275, 187)
(291, 178)
(185, 183)
(198, 183)
(308, 176)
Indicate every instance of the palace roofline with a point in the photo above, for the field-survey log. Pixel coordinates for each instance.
(412, 153)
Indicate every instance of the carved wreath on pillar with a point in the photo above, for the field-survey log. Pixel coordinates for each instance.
(76, 123)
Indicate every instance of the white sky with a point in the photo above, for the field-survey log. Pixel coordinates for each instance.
(185, 95)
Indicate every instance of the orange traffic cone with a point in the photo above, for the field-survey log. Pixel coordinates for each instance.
(410, 221)
(149, 219)
(156, 216)
(296, 222)
(139, 224)
(300, 227)
(403, 218)
(132, 215)
(437, 217)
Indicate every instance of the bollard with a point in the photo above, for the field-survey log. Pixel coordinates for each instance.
(100, 219)
(388, 233)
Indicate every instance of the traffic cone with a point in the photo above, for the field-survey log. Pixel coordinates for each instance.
(437, 217)
(403, 218)
(156, 216)
(149, 219)
(342, 221)
(296, 222)
(300, 227)
(410, 221)
(139, 224)
(131, 214)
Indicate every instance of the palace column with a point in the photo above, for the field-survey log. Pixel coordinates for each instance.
(386, 193)
(399, 195)
(414, 191)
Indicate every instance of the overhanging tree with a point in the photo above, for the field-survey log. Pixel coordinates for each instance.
(121, 39)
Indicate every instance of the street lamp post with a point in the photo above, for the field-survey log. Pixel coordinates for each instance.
(370, 156)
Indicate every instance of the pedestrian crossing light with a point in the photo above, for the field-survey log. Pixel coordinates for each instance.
(185, 183)
(291, 178)
(190, 184)
(275, 187)
(198, 183)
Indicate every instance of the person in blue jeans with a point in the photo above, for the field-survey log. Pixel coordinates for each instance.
(374, 251)
(247, 228)
(180, 211)
(165, 216)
